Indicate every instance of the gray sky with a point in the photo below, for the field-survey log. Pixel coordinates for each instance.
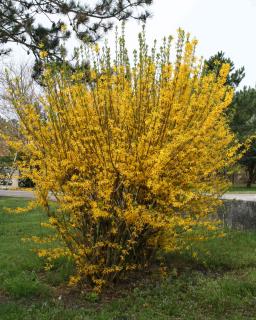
(227, 25)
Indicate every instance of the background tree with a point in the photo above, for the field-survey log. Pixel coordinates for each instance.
(27, 85)
(9, 122)
(240, 113)
(8, 156)
(87, 20)
(214, 63)
(243, 122)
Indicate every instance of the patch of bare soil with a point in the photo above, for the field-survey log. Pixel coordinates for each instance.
(3, 297)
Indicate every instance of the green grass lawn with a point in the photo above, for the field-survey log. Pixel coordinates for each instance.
(242, 189)
(219, 283)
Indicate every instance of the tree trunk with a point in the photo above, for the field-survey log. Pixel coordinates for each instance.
(251, 174)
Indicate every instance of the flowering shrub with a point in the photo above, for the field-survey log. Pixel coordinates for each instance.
(134, 156)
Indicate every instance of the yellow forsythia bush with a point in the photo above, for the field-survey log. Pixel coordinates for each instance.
(134, 155)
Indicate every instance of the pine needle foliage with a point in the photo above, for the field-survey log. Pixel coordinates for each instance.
(135, 157)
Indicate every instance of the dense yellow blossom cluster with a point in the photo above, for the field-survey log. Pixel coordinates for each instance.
(134, 156)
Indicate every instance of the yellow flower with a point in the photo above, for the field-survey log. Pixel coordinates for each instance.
(43, 54)
(63, 28)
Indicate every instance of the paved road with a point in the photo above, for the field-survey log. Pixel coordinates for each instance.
(20, 194)
(30, 195)
(17, 193)
(240, 196)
